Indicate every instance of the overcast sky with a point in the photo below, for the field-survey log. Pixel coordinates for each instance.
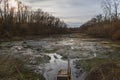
(73, 12)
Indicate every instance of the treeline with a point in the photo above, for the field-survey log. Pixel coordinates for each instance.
(21, 20)
(105, 25)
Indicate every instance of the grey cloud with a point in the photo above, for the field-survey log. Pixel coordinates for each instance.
(73, 12)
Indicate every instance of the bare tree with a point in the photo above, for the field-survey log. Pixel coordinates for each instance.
(110, 9)
(107, 8)
(116, 4)
(99, 18)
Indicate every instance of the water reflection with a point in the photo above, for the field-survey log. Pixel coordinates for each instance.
(57, 63)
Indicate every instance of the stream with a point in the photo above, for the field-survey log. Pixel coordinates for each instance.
(57, 63)
(56, 50)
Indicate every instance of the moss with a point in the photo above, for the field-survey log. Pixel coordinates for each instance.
(51, 51)
(65, 56)
(47, 57)
(38, 49)
(115, 54)
(39, 60)
(24, 42)
(27, 46)
(92, 63)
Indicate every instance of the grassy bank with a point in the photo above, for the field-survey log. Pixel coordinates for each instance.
(14, 69)
(102, 69)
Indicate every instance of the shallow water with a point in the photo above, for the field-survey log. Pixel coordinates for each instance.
(56, 49)
(56, 63)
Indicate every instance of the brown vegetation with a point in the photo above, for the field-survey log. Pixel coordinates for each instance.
(106, 25)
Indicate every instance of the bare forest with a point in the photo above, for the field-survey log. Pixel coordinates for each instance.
(22, 20)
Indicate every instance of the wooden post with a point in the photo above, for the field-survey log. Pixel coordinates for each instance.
(69, 68)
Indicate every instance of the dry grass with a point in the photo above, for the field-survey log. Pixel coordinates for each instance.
(13, 69)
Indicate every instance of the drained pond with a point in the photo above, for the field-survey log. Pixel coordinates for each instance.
(49, 55)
